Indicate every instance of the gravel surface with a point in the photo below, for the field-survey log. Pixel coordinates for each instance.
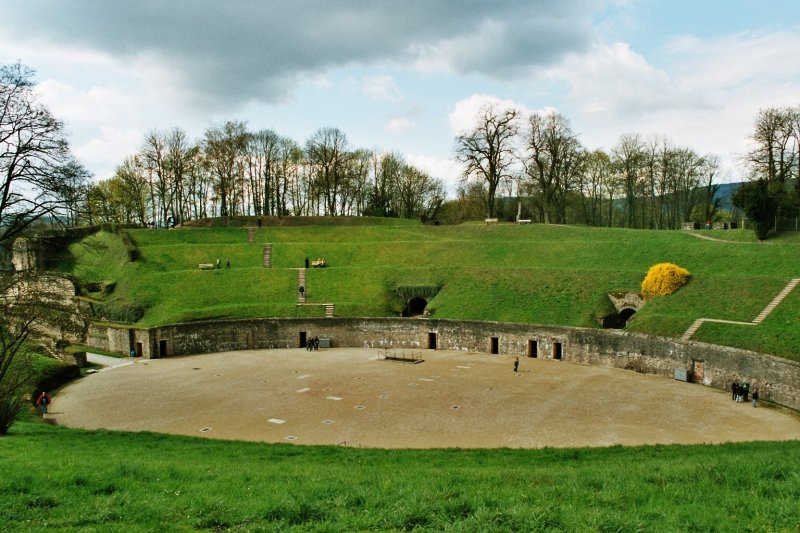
(454, 399)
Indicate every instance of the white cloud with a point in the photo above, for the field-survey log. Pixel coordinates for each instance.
(399, 124)
(446, 170)
(381, 88)
(465, 113)
(106, 150)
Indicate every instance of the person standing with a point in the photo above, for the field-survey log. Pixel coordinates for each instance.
(219, 264)
(306, 262)
(227, 264)
(755, 398)
(516, 363)
(43, 402)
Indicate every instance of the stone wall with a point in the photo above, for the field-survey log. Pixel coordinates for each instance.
(777, 379)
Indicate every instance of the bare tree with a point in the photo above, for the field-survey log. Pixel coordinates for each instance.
(488, 151)
(223, 146)
(327, 151)
(33, 152)
(553, 163)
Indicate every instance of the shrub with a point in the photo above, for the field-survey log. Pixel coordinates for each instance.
(118, 311)
(663, 279)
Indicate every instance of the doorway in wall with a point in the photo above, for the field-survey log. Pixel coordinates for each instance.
(533, 349)
(162, 348)
(494, 345)
(557, 350)
(431, 340)
(138, 349)
(301, 341)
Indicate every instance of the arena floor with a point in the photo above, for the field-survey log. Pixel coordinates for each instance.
(353, 397)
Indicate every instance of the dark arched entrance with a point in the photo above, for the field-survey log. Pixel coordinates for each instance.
(618, 320)
(415, 307)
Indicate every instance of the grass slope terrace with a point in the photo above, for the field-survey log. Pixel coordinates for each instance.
(147, 482)
(543, 274)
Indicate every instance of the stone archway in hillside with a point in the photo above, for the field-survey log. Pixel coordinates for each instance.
(415, 307)
(626, 304)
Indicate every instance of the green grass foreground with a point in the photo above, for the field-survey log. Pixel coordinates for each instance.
(71, 480)
(537, 274)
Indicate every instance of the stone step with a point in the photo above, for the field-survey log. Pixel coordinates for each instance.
(329, 308)
(693, 329)
(268, 255)
(301, 282)
(776, 301)
(251, 235)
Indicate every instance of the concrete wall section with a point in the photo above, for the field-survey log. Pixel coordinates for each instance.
(776, 379)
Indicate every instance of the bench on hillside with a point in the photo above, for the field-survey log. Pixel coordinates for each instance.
(206, 266)
(319, 263)
(524, 221)
(491, 221)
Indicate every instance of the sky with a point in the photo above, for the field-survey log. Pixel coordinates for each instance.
(407, 76)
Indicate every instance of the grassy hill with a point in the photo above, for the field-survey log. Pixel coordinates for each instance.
(57, 479)
(543, 274)
(63, 479)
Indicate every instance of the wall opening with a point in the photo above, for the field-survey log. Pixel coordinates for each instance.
(533, 349)
(698, 371)
(138, 349)
(557, 350)
(494, 345)
(431, 340)
(618, 320)
(302, 340)
(415, 307)
(132, 343)
(162, 348)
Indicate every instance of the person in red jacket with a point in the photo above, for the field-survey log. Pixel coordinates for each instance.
(43, 401)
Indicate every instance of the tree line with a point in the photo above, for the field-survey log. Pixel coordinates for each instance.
(232, 171)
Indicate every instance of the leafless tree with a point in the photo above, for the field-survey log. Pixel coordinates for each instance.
(488, 151)
(327, 151)
(33, 153)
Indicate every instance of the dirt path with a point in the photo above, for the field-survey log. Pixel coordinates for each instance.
(453, 399)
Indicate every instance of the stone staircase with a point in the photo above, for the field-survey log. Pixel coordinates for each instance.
(775, 301)
(251, 235)
(329, 310)
(301, 282)
(268, 255)
(757, 320)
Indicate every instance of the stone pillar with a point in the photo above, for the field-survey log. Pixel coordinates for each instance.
(25, 255)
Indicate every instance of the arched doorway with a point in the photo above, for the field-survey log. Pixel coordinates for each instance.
(618, 320)
(415, 307)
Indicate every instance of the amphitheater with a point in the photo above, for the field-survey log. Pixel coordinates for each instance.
(356, 397)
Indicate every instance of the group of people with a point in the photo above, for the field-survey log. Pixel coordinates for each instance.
(741, 391)
(227, 263)
(312, 344)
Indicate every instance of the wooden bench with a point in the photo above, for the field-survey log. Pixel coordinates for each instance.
(206, 266)
(319, 263)
(524, 221)
(491, 221)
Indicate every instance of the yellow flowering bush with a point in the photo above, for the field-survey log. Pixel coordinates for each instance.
(663, 279)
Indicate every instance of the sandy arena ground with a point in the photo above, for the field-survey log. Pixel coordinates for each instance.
(352, 397)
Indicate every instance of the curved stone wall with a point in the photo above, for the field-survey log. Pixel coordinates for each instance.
(777, 379)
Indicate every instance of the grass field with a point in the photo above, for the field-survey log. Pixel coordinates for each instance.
(60, 479)
(543, 274)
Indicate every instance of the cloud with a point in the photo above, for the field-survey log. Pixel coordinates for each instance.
(446, 170)
(399, 124)
(465, 113)
(105, 151)
(381, 88)
(228, 53)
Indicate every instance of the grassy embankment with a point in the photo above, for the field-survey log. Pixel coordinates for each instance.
(531, 274)
(61, 479)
